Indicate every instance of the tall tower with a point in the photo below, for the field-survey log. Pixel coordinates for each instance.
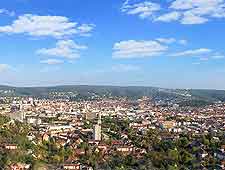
(99, 119)
(97, 129)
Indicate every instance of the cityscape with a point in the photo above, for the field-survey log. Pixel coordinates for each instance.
(60, 131)
(112, 85)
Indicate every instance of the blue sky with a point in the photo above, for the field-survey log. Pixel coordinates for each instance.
(173, 43)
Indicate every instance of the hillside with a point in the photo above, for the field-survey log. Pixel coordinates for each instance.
(85, 91)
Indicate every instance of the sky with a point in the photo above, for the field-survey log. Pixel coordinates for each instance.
(162, 43)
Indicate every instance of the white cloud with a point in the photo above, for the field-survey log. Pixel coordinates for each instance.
(85, 29)
(4, 67)
(199, 4)
(168, 17)
(189, 18)
(52, 61)
(54, 26)
(171, 41)
(183, 11)
(7, 12)
(138, 49)
(125, 68)
(218, 57)
(183, 42)
(143, 9)
(64, 48)
(193, 52)
(166, 40)
(199, 11)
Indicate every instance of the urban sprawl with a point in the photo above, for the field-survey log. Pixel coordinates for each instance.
(117, 134)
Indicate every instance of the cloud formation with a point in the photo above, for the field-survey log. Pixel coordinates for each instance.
(143, 10)
(199, 51)
(64, 48)
(166, 40)
(138, 49)
(217, 56)
(52, 61)
(7, 12)
(168, 17)
(4, 67)
(51, 26)
(171, 41)
(183, 11)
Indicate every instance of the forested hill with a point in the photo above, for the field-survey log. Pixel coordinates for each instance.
(130, 91)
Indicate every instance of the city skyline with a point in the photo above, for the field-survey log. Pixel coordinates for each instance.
(172, 44)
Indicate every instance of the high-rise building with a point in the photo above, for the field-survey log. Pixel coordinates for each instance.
(97, 129)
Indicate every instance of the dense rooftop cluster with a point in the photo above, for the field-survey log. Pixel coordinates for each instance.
(110, 134)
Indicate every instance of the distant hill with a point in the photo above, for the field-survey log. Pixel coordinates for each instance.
(86, 91)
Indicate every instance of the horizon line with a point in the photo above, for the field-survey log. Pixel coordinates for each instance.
(105, 85)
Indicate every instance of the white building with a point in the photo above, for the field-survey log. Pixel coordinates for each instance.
(97, 132)
(97, 129)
